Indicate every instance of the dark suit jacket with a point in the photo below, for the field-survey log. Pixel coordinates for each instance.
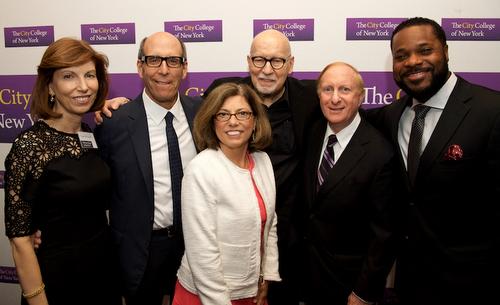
(123, 141)
(452, 248)
(349, 239)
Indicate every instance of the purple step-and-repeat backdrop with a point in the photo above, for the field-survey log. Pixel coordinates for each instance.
(15, 90)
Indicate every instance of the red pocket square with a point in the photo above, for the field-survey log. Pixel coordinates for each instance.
(454, 152)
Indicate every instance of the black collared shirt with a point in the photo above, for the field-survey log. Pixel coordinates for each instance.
(283, 153)
(283, 149)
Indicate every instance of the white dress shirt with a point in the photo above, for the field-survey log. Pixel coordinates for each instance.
(343, 138)
(163, 211)
(437, 103)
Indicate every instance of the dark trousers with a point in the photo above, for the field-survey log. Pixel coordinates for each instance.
(159, 278)
(282, 293)
(288, 291)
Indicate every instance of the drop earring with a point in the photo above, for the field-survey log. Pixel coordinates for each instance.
(52, 100)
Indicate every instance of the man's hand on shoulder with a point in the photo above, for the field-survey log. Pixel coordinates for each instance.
(109, 107)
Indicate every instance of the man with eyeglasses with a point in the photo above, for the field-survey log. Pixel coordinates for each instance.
(137, 143)
(289, 103)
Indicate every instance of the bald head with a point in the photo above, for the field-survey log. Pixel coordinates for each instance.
(345, 68)
(269, 80)
(271, 40)
(162, 37)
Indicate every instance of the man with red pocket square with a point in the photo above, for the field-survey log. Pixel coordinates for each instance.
(451, 218)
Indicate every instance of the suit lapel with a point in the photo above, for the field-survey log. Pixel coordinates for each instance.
(189, 108)
(302, 106)
(315, 154)
(139, 134)
(347, 161)
(395, 114)
(453, 113)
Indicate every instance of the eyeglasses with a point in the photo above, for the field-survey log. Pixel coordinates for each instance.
(155, 61)
(240, 116)
(276, 62)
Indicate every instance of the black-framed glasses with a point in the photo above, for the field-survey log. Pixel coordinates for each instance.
(240, 116)
(155, 61)
(276, 62)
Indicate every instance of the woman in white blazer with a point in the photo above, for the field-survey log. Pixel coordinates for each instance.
(228, 201)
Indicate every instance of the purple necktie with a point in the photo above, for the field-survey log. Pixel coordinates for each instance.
(327, 161)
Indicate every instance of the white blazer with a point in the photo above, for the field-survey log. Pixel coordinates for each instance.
(222, 226)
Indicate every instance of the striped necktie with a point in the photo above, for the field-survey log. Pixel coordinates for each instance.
(327, 161)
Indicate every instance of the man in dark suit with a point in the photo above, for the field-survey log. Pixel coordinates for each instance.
(452, 243)
(134, 143)
(289, 103)
(350, 197)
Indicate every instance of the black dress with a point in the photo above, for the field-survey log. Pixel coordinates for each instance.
(55, 185)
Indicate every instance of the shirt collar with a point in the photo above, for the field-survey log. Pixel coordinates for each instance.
(284, 97)
(440, 99)
(156, 112)
(345, 135)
